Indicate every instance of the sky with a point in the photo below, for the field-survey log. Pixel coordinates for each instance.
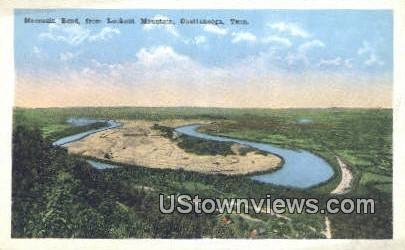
(282, 58)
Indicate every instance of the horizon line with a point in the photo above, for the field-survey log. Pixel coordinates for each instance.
(206, 107)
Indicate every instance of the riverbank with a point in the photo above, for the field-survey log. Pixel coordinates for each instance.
(137, 143)
(331, 134)
(346, 181)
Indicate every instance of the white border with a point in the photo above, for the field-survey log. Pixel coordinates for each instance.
(6, 101)
(207, 4)
(6, 104)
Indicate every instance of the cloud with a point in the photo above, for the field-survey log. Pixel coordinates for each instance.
(196, 40)
(336, 62)
(75, 34)
(373, 60)
(292, 29)
(36, 50)
(294, 58)
(215, 29)
(66, 56)
(331, 62)
(161, 76)
(369, 55)
(243, 36)
(216, 90)
(200, 39)
(71, 34)
(170, 28)
(348, 62)
(301, 55)
(278, 40)
(160, 56)
(303, 48)
(38, 53)
(365, 49)
(105, 34)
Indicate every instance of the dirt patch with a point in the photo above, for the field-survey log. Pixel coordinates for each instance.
(347, 177)
(137, 143)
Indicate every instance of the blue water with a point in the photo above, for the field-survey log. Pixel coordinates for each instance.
(80, 122)
(68, 139)
(301, 169)
(101, 165)
(77, 122)
(304, 121)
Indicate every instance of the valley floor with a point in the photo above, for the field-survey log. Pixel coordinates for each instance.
(137, 143)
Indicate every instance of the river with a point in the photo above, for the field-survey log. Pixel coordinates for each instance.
(301, 169)
(82, 122)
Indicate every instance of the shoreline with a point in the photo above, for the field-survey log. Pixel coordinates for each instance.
(220, 168)
(136, 143)
(337, 171)
(345, 183)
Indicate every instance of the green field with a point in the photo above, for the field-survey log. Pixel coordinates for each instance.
(60, 195)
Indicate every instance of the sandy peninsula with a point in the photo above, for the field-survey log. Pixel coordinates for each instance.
(137, 143)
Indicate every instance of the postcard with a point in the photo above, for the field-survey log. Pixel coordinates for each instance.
(202, 123)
